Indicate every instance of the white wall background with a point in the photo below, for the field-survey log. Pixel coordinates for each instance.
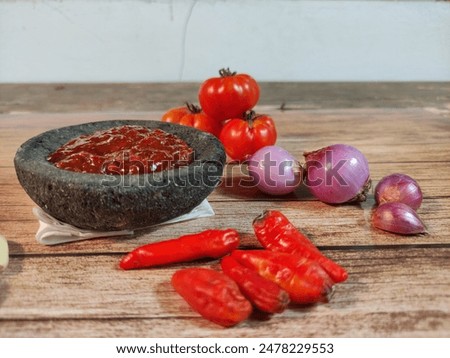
(170, 40)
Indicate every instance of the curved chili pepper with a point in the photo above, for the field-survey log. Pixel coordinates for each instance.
(262, 293)
(212, 294)
(276, 233)
(304, 280)
(209, 243)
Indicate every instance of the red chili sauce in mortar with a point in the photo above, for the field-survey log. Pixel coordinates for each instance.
(128, 149)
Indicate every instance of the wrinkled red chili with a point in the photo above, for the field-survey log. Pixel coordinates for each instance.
(213, 295)
(276, 233)
(264, 294)
(303, 279)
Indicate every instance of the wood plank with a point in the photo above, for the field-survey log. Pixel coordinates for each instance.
(236, 185)
(306, 124)
(327, 226)
(375, 153)
(382, 135)
(409, 324)
(433, 177)
(160, 96)
(87, 293)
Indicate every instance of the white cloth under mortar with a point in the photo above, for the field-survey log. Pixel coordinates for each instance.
(52, 231)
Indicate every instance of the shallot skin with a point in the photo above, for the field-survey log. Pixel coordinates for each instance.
(337, 174)
(397, 218)
(398, 187)
(274, 170)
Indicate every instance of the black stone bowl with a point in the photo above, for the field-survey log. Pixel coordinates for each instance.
(116, 202)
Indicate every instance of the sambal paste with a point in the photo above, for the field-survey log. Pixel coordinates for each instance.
(127, 149)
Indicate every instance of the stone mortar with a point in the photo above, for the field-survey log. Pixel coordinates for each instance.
(113, 202)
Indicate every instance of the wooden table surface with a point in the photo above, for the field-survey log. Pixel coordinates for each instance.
(397, 287)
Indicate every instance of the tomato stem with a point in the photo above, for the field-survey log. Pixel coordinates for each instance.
(193, 108)
(250, 116)
(225, 72)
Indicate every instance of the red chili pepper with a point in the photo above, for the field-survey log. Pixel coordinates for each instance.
(304, 280)
(262, 293)
(212, 294)
(276, 233)
(209, 243)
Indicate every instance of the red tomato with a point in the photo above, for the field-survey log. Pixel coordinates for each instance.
(243, 137)
(192, 116)
(228, 96)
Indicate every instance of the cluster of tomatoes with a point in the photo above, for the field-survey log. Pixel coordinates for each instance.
(226, 111)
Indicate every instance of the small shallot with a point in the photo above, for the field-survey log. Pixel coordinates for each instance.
(398, 187)
(398, 218)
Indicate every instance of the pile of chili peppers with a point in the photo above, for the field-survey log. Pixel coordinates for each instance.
(289, 269)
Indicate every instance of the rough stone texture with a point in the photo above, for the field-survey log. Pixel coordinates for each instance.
(106, 202)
